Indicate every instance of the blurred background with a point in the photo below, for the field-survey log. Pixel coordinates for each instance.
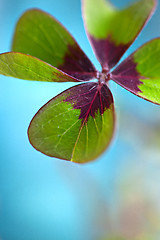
(115, 197)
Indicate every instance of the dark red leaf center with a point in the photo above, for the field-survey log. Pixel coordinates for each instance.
(90, 98)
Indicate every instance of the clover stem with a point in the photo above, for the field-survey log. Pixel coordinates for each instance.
(104, 76)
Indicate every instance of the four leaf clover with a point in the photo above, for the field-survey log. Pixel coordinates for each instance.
(78, 124)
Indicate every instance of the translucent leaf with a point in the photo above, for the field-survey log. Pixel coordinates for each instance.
(112, 31)
(140, 72)
(26, 67)
(40, 35)
(76, 125)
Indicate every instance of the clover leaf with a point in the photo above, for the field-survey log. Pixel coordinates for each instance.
(78, 124)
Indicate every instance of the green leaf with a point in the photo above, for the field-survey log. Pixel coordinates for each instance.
(40, 35)
(76, 125)
(140, 72)
(23, 66)
(112, 31)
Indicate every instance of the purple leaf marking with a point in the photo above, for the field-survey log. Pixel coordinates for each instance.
(90, 98)
(127, 76)
(77, 64)
(108, 53)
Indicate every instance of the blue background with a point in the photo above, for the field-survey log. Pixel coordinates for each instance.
(46, 198)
